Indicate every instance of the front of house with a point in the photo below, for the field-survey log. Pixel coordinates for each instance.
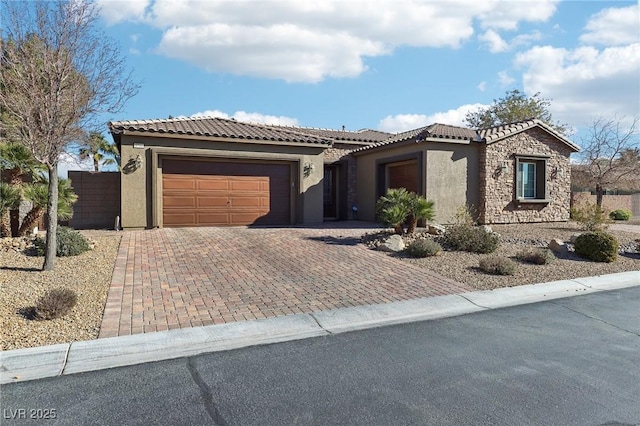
(219, 172)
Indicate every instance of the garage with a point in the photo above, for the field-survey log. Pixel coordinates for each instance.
(225, 193)
(403, 175)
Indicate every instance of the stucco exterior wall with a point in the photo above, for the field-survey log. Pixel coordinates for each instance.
(141, 195)
(452, 178)
(449, 176)
(498, 189)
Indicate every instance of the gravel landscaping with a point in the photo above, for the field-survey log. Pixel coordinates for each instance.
(464, 267)
(22, 283)
(89, 274)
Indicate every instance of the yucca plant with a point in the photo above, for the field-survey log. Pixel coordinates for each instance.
(10, 196)
(38, 194)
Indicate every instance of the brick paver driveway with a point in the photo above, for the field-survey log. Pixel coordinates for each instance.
(176, 278)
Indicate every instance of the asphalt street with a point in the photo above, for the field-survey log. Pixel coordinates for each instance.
(573, 361)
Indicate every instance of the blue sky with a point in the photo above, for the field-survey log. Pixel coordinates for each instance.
(387, 65)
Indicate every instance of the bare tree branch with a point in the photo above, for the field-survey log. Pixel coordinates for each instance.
(58, 73)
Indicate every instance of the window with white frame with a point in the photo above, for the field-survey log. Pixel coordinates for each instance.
(531, 179)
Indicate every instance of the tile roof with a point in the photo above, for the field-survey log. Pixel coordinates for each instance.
(496, 133)
(218, 127)
(435, 131)
(363, 135)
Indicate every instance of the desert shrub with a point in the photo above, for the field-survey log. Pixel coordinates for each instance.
(620, 214)
(55, 303)
(590, 217)
(498, 265)
(538, 256)
(470, 238)
(424, 247)
(69, 242)
(597, 246)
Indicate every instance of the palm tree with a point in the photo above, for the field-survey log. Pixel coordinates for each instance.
(393, 208)
(419, 208)
(16, 162)
(100, 151)
(38, 194)
(10, 197)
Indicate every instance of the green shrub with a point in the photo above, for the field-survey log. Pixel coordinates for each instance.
(470, 238)
(597, 246)
(538, 256)
(620, 214)
(424, 247)
(55, 303)
(69, 242)
(498, 265)
(590, 217)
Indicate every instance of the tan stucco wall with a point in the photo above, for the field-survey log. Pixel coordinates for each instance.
(450, 176)
(141, 194)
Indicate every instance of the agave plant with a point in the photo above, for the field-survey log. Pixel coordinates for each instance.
(38, 194)
(10, 196)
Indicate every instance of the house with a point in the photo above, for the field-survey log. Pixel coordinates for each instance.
(213, 171)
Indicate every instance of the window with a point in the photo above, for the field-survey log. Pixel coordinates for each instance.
(531, 179)
(526, 180)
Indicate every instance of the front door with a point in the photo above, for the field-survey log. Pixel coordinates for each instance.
(330, 192)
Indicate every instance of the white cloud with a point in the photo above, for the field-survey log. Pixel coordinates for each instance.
(134, 51)
(114, 11)
(310, 41)
(403, 122)
(494, 42)
(584, 82)
(613, 27)
(505, 79)
(482, 86)
(69, 161)
(250, 117)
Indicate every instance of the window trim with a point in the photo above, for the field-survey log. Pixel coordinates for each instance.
(540, 177)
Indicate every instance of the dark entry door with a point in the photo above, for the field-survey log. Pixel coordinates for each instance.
(330, 192)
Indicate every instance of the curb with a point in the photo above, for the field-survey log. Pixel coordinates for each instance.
(91, 355)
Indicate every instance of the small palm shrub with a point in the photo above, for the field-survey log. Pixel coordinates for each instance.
(424, 247)
(537, 256)
(597, 246)
(498, 265)
(69, 242)
(620, 214)
(55, 303)
(590, 217)
(465, 237)
(399, 206)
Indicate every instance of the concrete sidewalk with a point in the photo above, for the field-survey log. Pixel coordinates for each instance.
(77, 357)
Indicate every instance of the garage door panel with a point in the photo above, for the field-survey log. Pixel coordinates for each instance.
(249, 201)
(179, 219)
(204, 201)
(217, 184)
(201, 193)
(178, 201)
(179, 183)
(248, 185)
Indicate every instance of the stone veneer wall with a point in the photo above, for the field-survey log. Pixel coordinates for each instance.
(497, 190)
(340, 153)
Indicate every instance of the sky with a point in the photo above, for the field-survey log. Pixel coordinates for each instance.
(388, 65)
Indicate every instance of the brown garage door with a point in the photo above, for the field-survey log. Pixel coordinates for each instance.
(403, 175)
(204, 193)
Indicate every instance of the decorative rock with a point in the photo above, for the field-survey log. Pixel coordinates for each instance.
(573, 238)
(487, 229)
(392, 244)
(435, 229)
(557, 245)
